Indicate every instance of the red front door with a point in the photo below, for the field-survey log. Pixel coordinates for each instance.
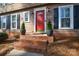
(40, 21)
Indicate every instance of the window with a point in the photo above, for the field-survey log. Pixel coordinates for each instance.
(3, 22)
(66, 17)
(26, 16)
(14, 21)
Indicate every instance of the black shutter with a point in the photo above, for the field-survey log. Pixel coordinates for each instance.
(8, 20)
(56, 18)
(0, 22)
(18, 21)
(76, 17)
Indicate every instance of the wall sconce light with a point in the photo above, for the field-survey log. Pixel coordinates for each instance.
(48, 9)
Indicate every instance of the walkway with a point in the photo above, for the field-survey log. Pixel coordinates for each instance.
(22, 53)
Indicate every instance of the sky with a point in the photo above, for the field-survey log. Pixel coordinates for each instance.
(39, 1)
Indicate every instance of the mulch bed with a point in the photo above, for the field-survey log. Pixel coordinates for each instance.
(5, 50)
(6, 47)
(64, 48)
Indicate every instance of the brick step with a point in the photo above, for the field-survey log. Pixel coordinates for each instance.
(36, 34)
(38, 38)
(34, 43)
(31, 45)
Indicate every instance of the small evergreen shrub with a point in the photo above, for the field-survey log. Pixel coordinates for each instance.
(23, 30)
(49, 29)
(3, 36)
(49, 26)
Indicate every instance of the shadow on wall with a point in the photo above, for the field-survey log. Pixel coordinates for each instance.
(64, 34)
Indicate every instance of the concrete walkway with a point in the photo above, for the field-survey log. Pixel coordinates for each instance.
(22, 53)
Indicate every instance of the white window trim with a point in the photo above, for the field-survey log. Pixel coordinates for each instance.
(71, 15)
(2, 23)
(11, 21)
(38, 9)
(28, 12)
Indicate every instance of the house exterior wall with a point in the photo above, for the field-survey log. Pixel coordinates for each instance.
(62, 33)
(20, 7)
(29, 25)
(49, 16)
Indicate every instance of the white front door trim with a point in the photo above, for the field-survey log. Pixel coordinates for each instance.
(38, 9)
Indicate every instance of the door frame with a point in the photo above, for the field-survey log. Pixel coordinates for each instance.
(38, 9)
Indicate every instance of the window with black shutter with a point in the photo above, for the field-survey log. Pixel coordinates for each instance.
(66, 17)
(76, 16)
(14, 21)
(18, 21)
(0, 22)
(3, 22)
(56, 18)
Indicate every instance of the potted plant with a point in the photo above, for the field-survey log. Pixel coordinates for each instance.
(23, 30)
(49, 28)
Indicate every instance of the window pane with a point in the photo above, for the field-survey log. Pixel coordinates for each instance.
(3, 18)
(65, 22)
(67, 12)
(3, 21)
(3, 25)
(14, 21)
(13, 24)
(13, 17)
(62, 12)
(26, 16)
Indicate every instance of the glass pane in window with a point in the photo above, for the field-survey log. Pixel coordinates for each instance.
(26, 16)
(14, 21)
(62, 12)
(3, 18)
(13, 24)
(13, 17)
(67, 12)
(65, 22)
(3, 25)
(3, 21)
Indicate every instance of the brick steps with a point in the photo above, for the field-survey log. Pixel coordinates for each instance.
(33, 43)
(37, 37)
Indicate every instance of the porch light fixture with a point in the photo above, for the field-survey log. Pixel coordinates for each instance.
(48, 9)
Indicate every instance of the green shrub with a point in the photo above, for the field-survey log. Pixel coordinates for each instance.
(49, 26)
(3, 36)
(49, 29)
(23, 30)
